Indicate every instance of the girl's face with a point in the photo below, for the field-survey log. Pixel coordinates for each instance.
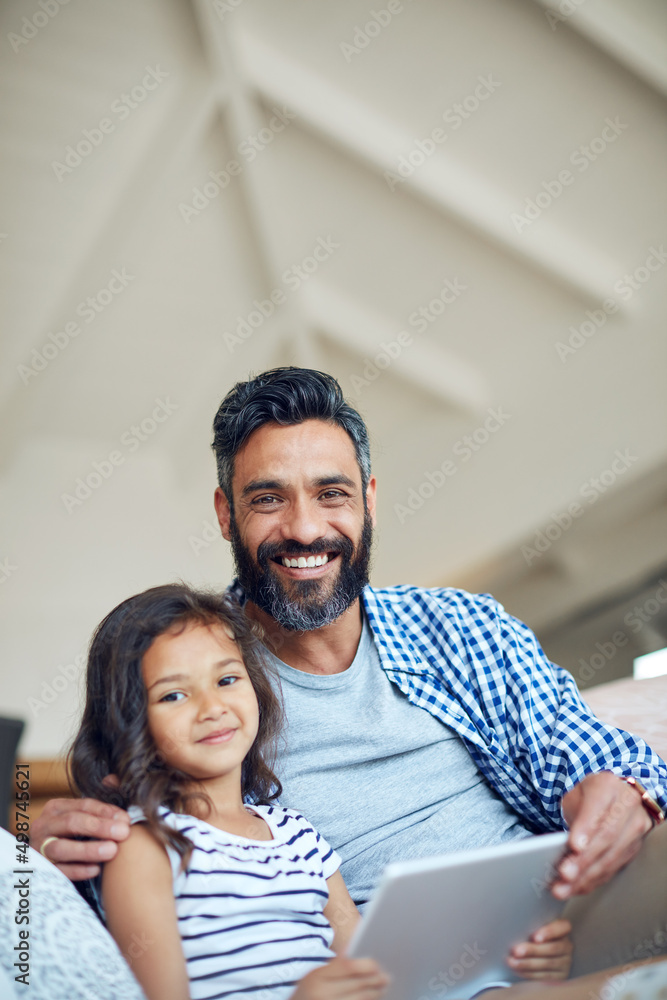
(202, 707)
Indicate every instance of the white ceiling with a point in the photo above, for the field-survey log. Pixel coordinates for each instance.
(549, 83)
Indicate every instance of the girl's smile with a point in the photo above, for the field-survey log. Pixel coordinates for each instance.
(202, 708)
(221, 736)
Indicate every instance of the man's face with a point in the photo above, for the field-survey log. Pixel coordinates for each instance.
(300, 531)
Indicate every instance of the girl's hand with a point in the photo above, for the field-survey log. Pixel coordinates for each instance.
(546, 955)
(344, 978)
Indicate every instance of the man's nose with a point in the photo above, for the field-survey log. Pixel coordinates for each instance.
(304, 522)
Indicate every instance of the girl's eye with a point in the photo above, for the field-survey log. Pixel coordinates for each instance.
(227, 680)
(173, 696)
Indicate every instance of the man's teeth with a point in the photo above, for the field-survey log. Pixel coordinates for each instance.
(302, 562)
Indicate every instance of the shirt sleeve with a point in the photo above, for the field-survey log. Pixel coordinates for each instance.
(314, 845)
(554, 737)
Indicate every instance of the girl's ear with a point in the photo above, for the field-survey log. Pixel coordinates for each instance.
(223, 511)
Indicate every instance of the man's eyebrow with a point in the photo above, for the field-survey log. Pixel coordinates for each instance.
(174, 678)
(335, 479)
(262, 484)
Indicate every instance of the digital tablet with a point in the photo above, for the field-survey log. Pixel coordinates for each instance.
(443, 926)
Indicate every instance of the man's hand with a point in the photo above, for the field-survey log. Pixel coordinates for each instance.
(607, 824)
(68, 818)
(348, 978)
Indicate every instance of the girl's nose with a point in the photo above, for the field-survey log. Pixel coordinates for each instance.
(212, 704)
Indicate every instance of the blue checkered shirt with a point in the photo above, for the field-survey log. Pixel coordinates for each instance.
(483, 673)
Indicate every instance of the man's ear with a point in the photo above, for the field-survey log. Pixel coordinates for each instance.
(371, 498)
(223, 511)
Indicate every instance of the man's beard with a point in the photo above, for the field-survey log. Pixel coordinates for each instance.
(304, 609)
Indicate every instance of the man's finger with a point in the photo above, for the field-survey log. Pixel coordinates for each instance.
(89, 852)
(82, 823)
(604, 866)
(77, 873)
(94, 806)
(616, 842)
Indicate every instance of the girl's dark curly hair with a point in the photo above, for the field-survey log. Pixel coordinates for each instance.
(114, 737)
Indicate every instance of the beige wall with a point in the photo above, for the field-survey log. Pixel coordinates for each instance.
(331, 122)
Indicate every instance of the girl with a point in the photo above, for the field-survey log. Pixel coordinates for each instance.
(210, 896)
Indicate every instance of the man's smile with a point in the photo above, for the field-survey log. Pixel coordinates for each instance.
(301, 562)
(305, 567)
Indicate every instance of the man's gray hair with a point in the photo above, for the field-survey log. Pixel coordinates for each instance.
(283, 396)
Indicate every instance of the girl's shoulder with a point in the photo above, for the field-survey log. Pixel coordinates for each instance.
(137, 815)
(287, 824)
(282, 816)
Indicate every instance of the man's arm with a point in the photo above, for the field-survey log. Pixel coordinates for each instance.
(584, 759)
(66, 819)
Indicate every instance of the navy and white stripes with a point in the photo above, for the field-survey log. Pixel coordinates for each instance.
(250, 912)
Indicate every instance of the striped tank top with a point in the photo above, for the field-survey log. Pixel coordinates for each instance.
(250, 911)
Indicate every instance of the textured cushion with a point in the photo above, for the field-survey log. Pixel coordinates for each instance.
(640, 707)
(72, 956)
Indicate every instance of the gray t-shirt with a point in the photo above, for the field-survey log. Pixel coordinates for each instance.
(381, 778)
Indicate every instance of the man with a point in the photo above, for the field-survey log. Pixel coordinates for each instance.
(419, 721)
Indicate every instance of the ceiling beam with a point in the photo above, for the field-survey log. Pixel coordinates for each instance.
(452, 189)
(243, 118)
(366, 333)
(625, 34)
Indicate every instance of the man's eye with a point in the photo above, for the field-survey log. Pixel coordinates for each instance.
(173, 696)
(265, 501)
(333, 495)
